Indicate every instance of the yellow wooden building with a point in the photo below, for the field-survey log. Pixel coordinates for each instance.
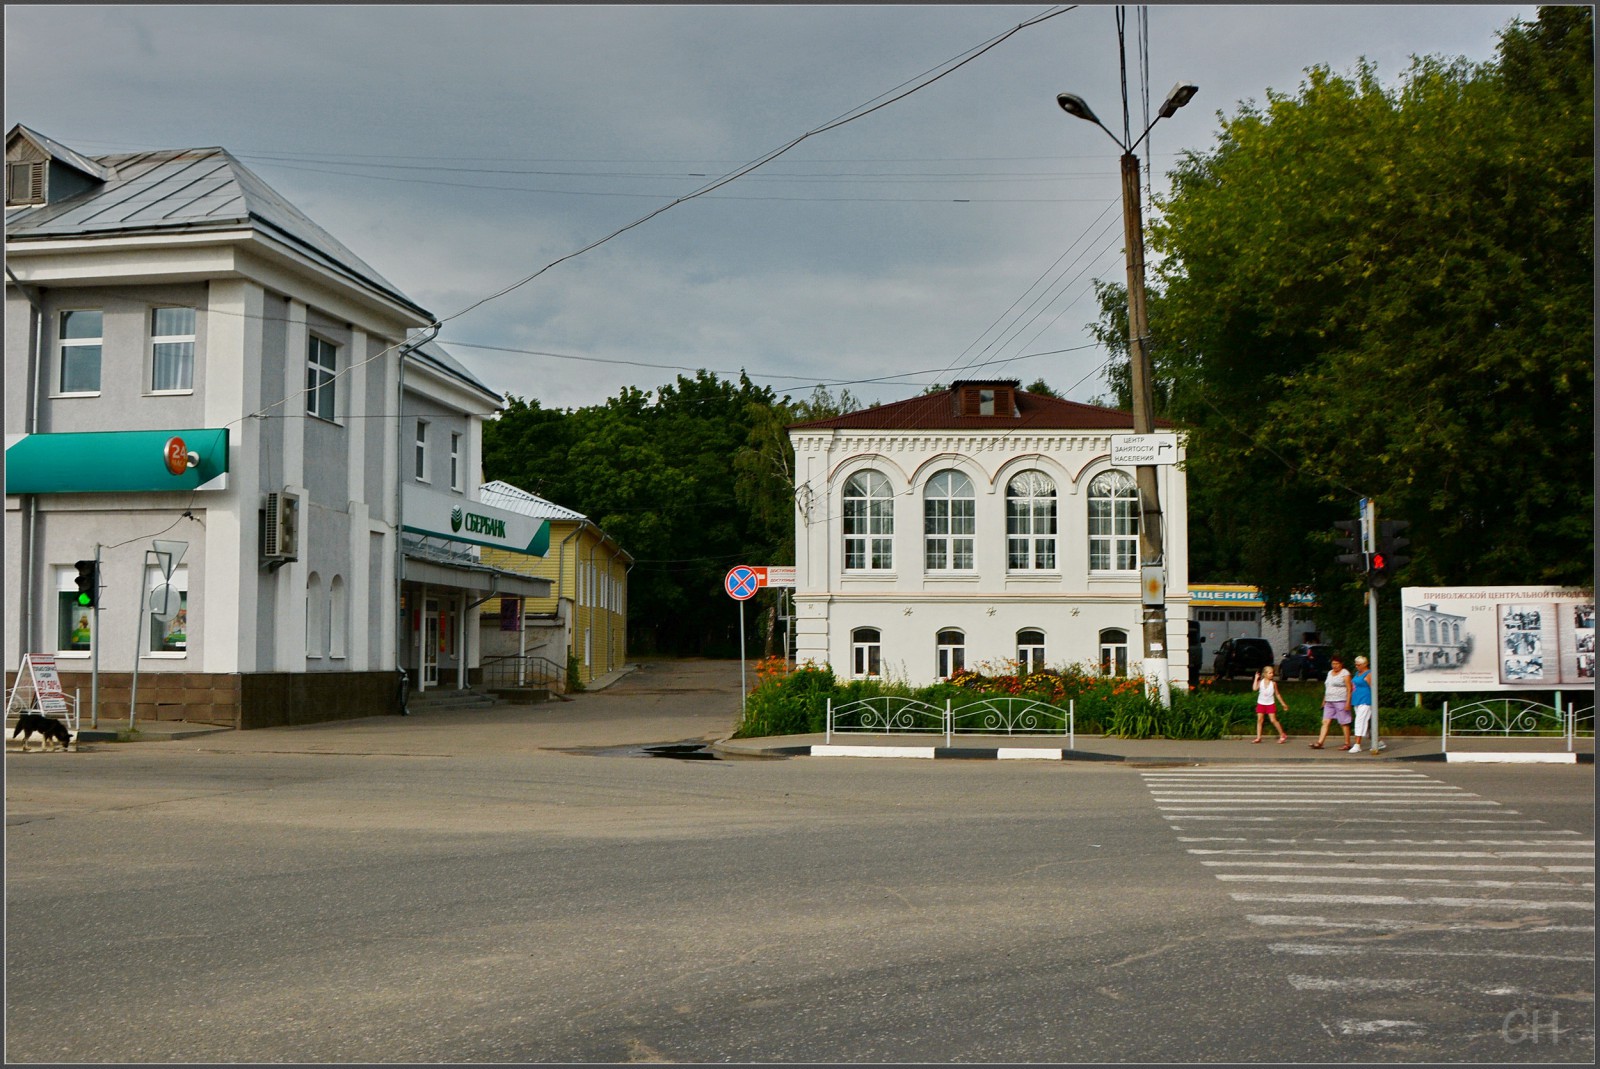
(583, 622)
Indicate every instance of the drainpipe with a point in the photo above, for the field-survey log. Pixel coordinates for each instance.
(399, 512)
(30, 502)
(561, 574)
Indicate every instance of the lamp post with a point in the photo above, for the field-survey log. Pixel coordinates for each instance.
(1150, 534)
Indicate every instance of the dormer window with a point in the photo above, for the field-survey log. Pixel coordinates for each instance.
(985, 399)
(24, 183)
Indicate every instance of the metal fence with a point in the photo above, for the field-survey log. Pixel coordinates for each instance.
(889, 715)
(1514, 718)
(522, 670)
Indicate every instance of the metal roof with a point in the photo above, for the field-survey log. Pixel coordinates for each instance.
(185, 190)
(939, 411)
(514, 499)
(432, 354)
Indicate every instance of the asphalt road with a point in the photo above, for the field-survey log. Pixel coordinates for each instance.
(523, 886)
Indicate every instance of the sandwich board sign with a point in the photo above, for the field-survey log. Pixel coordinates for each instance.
(39, 685)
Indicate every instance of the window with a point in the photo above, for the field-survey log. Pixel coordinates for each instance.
(422, 451)
(1113, 523)
(1030, 652)
(1433, 631)
(1113, 652)
(949, 521)
(1031, 522)
(866, 652)
(25, 182)
(316, 616)
(951, 651)
(455, 462)
(81, 336)
(322, 364)
(169, 633)
(171, 349)
(1418, 628)
(74, 623)
(985, 402)
(868, 522)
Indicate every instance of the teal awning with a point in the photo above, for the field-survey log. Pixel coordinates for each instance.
(108, 462)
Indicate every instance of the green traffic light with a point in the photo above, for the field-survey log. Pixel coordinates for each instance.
(83, 599)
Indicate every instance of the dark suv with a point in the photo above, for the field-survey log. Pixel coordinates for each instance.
(1309, 660)
(1241, 655)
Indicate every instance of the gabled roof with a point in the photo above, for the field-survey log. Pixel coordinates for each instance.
(432, 354)
(61, 153)
(940, 411)
(184, 190)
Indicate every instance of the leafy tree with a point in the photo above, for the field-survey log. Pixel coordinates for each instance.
(1388, 292)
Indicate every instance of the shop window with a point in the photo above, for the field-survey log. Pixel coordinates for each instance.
(168, 634)
(74, 623)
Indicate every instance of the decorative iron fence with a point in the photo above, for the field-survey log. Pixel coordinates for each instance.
(888, 715)
(1513, 717)
(522, 670)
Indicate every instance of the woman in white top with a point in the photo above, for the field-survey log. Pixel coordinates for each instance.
(1335, 703)
(1268, 699)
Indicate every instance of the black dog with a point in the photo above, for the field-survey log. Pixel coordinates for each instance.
(48, 727)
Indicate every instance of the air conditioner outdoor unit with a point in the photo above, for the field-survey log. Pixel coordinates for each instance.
(280, 534)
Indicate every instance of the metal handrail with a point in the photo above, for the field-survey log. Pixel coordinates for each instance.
(522, 670)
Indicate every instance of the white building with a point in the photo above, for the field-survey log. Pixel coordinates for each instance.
(978, 525)
(189, 358)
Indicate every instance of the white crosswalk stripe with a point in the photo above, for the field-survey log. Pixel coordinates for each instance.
(1368, 875)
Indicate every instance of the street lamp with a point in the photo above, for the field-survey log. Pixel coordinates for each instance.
(1150, 538)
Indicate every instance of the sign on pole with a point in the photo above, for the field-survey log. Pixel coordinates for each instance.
(1139, 449)
(742, 582)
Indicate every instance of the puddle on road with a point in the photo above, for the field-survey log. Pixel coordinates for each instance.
(681, 751)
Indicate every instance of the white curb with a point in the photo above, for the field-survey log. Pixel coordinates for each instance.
(1523, 758)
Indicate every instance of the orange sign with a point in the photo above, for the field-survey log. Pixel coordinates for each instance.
(177, 455)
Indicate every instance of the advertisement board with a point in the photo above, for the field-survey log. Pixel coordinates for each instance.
(1497, 638)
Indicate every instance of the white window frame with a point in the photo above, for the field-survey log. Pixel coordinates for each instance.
(185, 361)
(866, 653)
(950, 652)
(868, 522)
(455, 460)
(1113, 523)
(1114, 652)
(1033, 523)
(154, 578)
(64, 343)
(322, 396)
(421, 469)
(68, 609)
(1030, 651)
(949, 523)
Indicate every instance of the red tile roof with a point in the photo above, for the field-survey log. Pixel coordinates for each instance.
(942, 411)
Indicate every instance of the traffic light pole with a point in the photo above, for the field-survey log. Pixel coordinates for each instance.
(1369, 536)
(94, 648)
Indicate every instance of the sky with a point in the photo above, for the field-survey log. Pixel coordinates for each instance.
(953, 233)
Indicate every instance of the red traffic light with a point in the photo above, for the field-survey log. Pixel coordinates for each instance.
(1378, 562)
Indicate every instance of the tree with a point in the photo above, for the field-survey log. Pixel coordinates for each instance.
(1387, 292)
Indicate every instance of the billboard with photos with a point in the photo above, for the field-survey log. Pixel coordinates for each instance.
(1497, 638)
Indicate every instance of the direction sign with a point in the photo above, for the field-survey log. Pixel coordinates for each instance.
(1137, 449)
(779, 575)
(742, 582)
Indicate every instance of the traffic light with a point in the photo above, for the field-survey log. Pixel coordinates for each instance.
(1353, 557)
(1387, 558)
(88, 583)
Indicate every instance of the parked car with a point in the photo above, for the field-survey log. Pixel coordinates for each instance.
(1309, 660)
(1241, 655)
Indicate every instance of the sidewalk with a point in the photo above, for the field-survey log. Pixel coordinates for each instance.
(1156, 751)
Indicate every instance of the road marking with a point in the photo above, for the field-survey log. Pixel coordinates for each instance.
(1329, 950)
(1349, 1027)
(1405, 880)
(1390, 853)
(1326, 983)
(1393, 866)
(1480, 927)
(1386, 842)
(1403, 900)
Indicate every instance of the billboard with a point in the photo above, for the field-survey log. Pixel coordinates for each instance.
(1497, 638)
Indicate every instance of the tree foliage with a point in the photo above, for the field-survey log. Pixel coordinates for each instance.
(1387, 292)
(690, 479)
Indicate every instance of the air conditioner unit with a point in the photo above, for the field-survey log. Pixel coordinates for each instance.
(280, 531)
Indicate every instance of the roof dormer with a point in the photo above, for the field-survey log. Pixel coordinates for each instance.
(42, 171)
(990, 397)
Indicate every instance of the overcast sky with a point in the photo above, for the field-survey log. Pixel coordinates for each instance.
(458, 150)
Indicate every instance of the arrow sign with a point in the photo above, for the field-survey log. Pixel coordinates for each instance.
(743, 581)
(1139, 449)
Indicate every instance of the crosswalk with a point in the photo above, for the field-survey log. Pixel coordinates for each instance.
(1419, 910)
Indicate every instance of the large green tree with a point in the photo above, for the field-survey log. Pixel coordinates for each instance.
(1388, 292)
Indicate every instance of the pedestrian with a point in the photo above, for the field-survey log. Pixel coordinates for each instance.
(1335, 702)
(1268, 698)
(1361, 698)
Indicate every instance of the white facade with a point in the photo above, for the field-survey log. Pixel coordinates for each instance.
(948, 559)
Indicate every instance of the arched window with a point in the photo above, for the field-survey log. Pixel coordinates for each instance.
(338, 617)
(1113, 523)
(316, 616)
(1030, 652)
(1113, 652)
(868, 522)
(1455, 632)
(1433, 631)
(1031, 522)
(951, 652)
(866, 653)
(1418, 628)
(949, 519)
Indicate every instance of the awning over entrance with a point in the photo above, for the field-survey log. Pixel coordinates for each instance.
(111, 462)
(431, 568)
